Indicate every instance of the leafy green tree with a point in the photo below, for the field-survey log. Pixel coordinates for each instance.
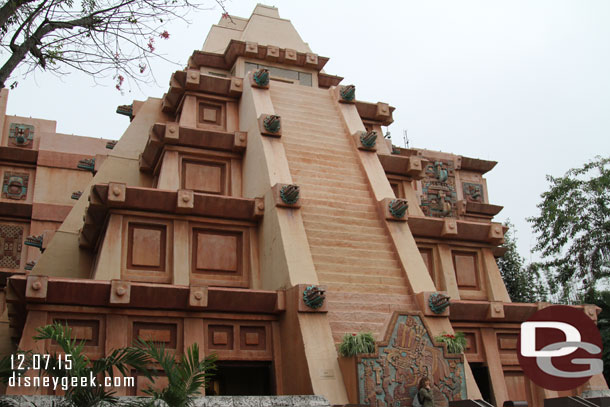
(523, 283)
(573, 231)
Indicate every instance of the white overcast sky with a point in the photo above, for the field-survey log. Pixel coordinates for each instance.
(522, 82)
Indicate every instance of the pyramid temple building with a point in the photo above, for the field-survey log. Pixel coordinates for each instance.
(257, 210)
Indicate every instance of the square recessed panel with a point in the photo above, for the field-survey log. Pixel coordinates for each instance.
(82, 330)
(146, 246)
(220, 337)
(217, 251)
(211, 114)
(252, 337)
(208, 177)
(466, 270)
(158, 333)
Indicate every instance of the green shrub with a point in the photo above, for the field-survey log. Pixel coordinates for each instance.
(455, 342)
(355, 344)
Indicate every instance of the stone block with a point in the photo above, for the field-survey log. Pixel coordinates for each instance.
(251, 49)
(172, 132)
(198, 297)
(311, 60)
(450, 228)
(36, 287)
(240, 141)
(120, 292)
(236, 87)
(116, 192)
(273, 53)
(192, 79)
(290, 56)
(185, 200)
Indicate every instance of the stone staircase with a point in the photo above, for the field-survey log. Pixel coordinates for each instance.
(351, 249)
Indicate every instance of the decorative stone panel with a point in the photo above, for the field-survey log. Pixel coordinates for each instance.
(238, 340)
(15, 185)
(439, 196)
(473, 192)
(11, 245)
(219, 255)
(466, 270)
(147, 248)
(390, 376)
(207, 176)
(21, 135)
(212, 115)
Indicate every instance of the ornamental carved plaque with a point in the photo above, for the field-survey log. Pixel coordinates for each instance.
(11, 240)
(438, 189)
(473, 192)
(390, 377)
(15, 186)
(21, 135)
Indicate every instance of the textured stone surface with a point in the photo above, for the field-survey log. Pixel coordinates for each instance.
(213, 401)
(350, 247)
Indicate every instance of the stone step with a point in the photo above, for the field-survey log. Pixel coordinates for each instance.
(370, 208)
(312, 224)
(310, 192)
(302, 99)
(336, 139)
(298, 151)
(324, 267)
(334, 186)
(310, 142)
(313, 124)
(326, 277)
(337, 172)
(288, 88)
(289, 108)
(370, 298)
(312, 211)
(355, 262)
(337, 306)
(341, 218)
(357, 254)
(338, 166)
(358, 315)
(314, 232)
(354, 244)
(328, 179)
(365, 288)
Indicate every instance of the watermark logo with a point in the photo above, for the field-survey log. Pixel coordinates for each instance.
(560, 348)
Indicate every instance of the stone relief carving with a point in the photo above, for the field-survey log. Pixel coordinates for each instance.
(439, 197)
(390, 377)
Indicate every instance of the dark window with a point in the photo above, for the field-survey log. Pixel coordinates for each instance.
(241, 379)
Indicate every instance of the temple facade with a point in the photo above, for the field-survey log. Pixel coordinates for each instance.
(257, 210)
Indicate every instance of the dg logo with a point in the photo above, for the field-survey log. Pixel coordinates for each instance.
(560, 348)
